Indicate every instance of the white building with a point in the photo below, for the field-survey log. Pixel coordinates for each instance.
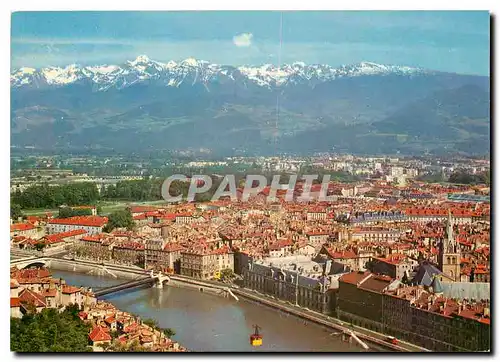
(91, 224)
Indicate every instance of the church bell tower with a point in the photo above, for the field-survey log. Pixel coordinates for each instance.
(449, 253)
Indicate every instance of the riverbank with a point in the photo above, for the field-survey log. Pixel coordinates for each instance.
(311, 316)
(220, 289)
(327, 321)
(205, 322)
(99, 325)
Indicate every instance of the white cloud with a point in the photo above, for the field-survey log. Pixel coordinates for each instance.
(243, 40)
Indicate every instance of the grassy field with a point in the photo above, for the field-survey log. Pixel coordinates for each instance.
(39, 212)
(107, 207)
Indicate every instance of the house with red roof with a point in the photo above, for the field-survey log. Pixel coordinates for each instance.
(306, 248)
(51, 296)
(444, 324)
(204, 262)
(316, 213)
(346, 258)
(64, 237)
(14, 288)
(184, 218)
(71, 295)
(34, 220)
(23, 229)
(281, 247)
(317, 236)
(395, 265)
(15, 307)
(30, 299)
(93, 225)
(136, 210)
(99, 336)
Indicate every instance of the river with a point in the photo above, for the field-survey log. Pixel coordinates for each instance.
(205, 322)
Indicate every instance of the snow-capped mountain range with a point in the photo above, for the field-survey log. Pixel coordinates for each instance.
(191, 71)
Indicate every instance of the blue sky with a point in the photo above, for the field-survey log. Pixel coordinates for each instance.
(455, 41)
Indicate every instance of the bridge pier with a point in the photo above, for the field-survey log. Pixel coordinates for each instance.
(160, 279)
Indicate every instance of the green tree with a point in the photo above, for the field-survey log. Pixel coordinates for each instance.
(16, 211)
(119, 219)
(39, 246)
(49, 331)
(151, 322)
(463, 177)
(45, 196)
(226, 274)
(169, 332)
(65, 212)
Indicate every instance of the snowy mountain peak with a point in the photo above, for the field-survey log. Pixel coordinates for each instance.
(191, 61)
(191, 71)
(27, 70)
(140, 59)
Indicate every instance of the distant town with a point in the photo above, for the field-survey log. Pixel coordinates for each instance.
(401, 256)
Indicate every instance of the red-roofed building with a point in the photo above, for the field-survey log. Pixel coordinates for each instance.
(305, 248)
(348, 258)
(91, 224)
(99, 336)
(71, 295)
(68, 236)
(280, 248)
(136, 210)
(436, 322)
(317, 236)
(316, 214)
(360, 297)
(23, 229)
(29, 298)
(14, 288)
(206, 263)
(394, 265)
(15, 308)
(184, 218)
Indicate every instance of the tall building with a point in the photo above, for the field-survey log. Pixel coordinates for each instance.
(449, 254)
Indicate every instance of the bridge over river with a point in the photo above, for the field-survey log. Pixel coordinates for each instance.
(142, 278)
(152, 280)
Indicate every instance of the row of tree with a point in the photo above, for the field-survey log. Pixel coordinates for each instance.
(45, 196)
(463, 177)
(86, 193)
(136, 190)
